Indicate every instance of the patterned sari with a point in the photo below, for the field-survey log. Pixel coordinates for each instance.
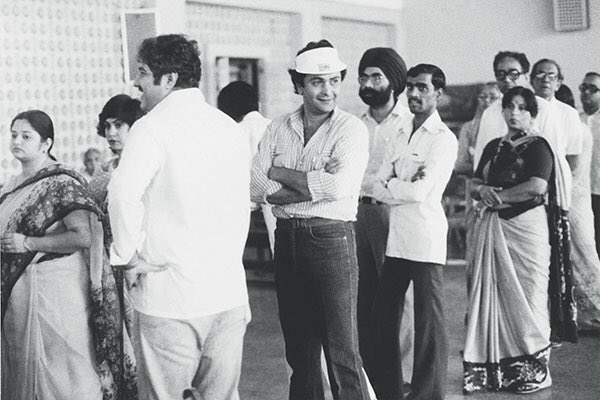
(63, 334)
(517, 266)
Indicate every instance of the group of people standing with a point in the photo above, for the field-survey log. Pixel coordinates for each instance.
(137, 276)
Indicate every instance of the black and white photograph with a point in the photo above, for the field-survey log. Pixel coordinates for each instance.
(303, 200)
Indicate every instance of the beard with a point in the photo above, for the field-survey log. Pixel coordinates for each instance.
(375, 98)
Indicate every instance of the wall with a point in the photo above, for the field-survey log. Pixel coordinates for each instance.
(351, 46)
(228, 31)
(462, 36)
(63, 57)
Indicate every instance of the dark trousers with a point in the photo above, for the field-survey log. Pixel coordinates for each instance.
(431, 341)
(596, 209)
(372, 225)
(316, 279)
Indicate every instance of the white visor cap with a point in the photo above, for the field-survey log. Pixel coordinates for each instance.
(322, 60)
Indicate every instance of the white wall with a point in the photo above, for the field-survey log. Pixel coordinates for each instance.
(462, 37)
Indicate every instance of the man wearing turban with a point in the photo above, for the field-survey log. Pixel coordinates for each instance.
(382, 78)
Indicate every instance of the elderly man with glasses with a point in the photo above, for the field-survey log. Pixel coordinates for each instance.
(546, 79)
(590, 99)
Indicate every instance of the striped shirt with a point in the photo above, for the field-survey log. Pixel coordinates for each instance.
(381, 136)
(334, 196)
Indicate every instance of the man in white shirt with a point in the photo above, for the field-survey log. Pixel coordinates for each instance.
(382, 78)
(182, 243)
(546, 79)
(590, 99)
(412, 179)
(239, 100)
(310, 165)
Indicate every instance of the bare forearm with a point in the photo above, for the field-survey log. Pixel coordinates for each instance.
(65, 242)
(476, 185)
(287, 196)
(524, 191)
(291, 178)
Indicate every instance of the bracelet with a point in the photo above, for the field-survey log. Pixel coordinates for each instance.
(27, 246)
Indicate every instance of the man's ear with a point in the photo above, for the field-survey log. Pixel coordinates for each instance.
(170, 80)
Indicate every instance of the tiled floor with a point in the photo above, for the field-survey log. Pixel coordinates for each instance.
(575, 368)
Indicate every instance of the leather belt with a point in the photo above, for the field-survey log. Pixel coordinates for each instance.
(369, 200)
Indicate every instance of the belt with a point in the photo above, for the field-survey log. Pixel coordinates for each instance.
(369, 200)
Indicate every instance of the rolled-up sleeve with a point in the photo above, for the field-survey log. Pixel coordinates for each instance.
(260, 184)
(352, 152)
(139, 163)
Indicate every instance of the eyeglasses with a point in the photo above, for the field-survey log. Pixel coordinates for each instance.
(591, 88)
(552, 76)
(375, 79)
(512, 74)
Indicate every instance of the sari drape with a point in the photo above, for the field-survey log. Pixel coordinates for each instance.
(44, 200)
(519, 288)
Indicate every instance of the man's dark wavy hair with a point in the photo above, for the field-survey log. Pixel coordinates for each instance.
(172, 53)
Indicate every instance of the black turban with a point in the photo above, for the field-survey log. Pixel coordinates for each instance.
(390, 62)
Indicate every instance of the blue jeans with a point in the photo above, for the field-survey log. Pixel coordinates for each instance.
(204, 353)
(316, 278)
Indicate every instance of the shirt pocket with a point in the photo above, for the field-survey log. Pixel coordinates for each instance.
(281, 153)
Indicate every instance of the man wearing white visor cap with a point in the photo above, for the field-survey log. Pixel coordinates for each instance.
(309, 166)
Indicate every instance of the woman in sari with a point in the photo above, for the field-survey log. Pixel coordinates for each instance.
(114, 122)
(519, 256)
(61, 322)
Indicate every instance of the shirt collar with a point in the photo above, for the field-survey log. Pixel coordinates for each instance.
(433, 124)
(297, 123)
(398, 110)
(179, 95)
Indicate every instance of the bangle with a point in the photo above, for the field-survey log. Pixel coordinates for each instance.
(26, 246)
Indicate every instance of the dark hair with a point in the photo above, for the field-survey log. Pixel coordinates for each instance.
(592, 73)
(520, 57)
(546, 60)
(41, 123)
(237, 99)
(437, 75)
(297, 77)
(91, 150)
(565, 95)
(172, 53)
(123, 108)
(526, 94)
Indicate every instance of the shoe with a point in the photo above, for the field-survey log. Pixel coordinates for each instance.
(556, 345)
(531, 387)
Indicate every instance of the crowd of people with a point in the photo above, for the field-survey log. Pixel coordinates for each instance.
(128, 283)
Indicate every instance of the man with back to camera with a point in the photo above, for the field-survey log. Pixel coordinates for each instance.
(416, 247)
(316, 272)
(183, 244)
(239, 100)
(382, 78)
(590, 99)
